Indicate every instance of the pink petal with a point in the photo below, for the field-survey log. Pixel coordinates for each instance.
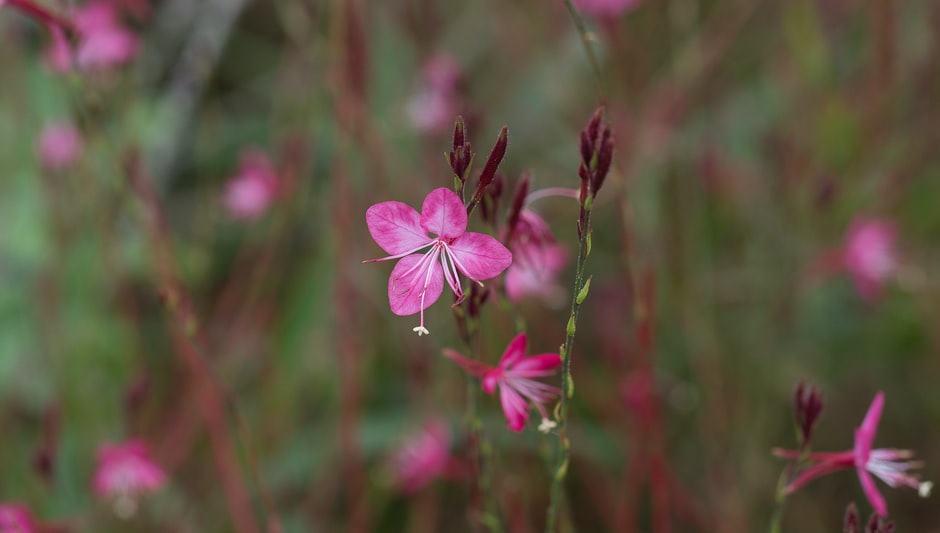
(813, 472)
(537, 365)
(514, 407)
(404, 295)
(444, 214)
(474, 368)
(396, 227)
(865, 434)
(107, 48)
(514, 351)
(875, 498)
(480, 256)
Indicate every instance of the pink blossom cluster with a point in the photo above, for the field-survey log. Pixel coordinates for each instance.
(253, 188)
(432, 108)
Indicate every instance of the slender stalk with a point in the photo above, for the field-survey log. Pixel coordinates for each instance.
(587, 38)
(563, 452)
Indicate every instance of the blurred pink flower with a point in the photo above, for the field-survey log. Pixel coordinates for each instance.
(421, 459)
(889, 464)
(125, 471)
(253, 188)
(514, 376)
(60, 145)
(538, 260)
(102, 41)
(869, 255)
(417, 281)
(605, 8)
(15, 518)
(433, 107)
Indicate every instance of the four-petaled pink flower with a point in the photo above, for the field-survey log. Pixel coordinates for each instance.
(514, 377)
(890, 465)
(125, 471)
(605, 8)
(253, 188)
(869, 255)
(417, 281)
(59, 146)
(15, 518)
(538, 260)
(421, 459)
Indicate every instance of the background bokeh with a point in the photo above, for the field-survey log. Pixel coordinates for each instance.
(751, 134)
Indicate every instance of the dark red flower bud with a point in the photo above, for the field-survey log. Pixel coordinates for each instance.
(605, 155)
(518, 202)
(850, 523)
(459, 133)
(807, 405)
(492, 164)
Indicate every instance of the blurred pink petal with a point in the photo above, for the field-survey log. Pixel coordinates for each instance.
(437, 101)
(253, 188)
(605, 8)
(538, 261)
(102, 41)
(422, 459)
(126, 470)
(417, 282)
(60, 145)
(15, 518)
(869, 255)
(58, 54)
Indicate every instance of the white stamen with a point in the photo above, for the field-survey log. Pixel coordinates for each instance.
(925, 488)
(421, 330)
(547, 425)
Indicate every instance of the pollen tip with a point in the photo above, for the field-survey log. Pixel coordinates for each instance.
(547, 425)
(924, 489)
(421, 330)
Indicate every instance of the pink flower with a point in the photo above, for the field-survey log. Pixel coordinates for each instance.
(869, 255)
(15, 518)
(538, 260)
(417, 281)
(433, 107)
(888, 464)
(422, 459)
(125, 471)
(102, 41)
(59, 146)
(605, 8)
(253, 188)
(514, 376)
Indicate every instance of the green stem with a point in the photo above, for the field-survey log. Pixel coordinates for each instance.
(587, 39)
(563, 452)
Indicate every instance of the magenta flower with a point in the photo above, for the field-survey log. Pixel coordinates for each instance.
(125, 471)
(514, 377)
(417, 281)
(605, 8)
(888, 464)
(253, 188)
(433, 107)
(538, 260)
(422, 459)
(59, 146)
(15, 518)
(869, 255)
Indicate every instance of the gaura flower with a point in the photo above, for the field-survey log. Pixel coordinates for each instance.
(417, 280)
(125, 471)
(15, 518)
(421, 459)
(103, 42)
(538, 260)
(253, 188)
(870, 256)
(514, 377)
(59, 146)
(888, 464)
